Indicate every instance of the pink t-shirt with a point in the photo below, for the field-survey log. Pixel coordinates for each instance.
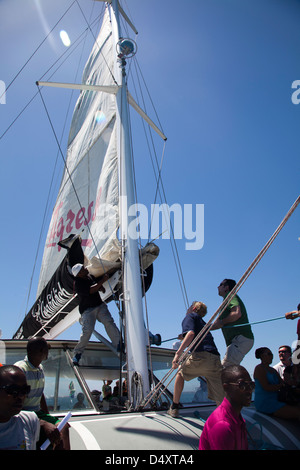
(224, 430)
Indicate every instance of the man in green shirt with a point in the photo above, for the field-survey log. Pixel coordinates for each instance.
(239, 339)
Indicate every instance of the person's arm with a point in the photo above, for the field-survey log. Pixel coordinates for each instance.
(260, 374)
(234, 315)
(51, 432)
(98, 286)
(292, 315)
(185, 343)
(43, 404)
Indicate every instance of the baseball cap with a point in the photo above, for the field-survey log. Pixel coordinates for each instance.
(76, 269)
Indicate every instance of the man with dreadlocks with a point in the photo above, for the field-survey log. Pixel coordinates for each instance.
(203, 358)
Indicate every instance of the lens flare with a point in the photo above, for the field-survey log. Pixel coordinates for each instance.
(65, 38)
(100, 117)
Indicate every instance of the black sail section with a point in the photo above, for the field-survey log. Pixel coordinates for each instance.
(55, 297)
(54, 302)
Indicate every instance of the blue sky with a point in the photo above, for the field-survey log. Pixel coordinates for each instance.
(220, 73)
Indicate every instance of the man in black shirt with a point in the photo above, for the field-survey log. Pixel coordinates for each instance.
(91, 308)
(204, 359)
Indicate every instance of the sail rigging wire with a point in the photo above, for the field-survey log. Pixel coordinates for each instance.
(140, 74)
(157, 169)
(205, 330)
(158, 180)
(43, 41)
(239, 325)
(36, 50)
(67, 52)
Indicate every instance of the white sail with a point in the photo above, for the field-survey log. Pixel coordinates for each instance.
(88, 198)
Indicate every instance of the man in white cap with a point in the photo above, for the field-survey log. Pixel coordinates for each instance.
(91, 308)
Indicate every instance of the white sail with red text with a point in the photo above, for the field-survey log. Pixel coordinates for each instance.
(88, 198)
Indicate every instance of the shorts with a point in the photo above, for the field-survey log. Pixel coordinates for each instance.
(237, 350)
(209, 366)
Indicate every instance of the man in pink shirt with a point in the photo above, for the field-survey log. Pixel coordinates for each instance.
(225, 429)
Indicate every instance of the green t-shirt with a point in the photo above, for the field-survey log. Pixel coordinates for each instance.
(229, 332)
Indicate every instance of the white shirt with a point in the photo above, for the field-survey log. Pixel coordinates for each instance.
(280, 368)
(21, 432)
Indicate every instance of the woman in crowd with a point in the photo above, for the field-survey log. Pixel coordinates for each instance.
(267, 385)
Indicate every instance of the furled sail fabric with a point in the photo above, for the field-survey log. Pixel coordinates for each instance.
(88, 198)
(88, 195)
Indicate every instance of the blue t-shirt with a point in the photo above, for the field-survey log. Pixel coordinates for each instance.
(193, 322)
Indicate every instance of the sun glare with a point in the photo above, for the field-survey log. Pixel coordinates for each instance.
(65, 38)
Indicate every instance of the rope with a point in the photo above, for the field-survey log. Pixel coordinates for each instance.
(253, 323)
(136, 389)
(157, 170)
(239, 325)
(205, 330)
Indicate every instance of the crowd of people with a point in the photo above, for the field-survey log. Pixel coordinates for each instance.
(277, 389)
(25, 421)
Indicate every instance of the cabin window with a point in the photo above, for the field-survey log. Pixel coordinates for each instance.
(63, 390)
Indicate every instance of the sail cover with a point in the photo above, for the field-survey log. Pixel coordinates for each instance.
(88, 198)
(87, 202)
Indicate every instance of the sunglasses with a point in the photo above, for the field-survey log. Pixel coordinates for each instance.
(16, 391)
(243, 385)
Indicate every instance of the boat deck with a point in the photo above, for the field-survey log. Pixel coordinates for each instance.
(159, 431)
(136, 431)
(93, 428)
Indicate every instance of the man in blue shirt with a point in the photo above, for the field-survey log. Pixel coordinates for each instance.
(203, 360)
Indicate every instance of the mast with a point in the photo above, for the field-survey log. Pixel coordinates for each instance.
(136, 347)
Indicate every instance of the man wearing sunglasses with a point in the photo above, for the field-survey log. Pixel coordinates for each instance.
(285, 356)
(225, 429)
(19, 430)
